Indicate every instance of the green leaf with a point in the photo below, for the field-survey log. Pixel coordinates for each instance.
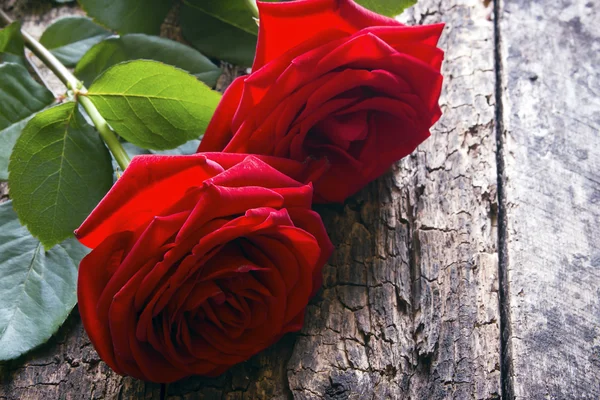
(139, 46)
(58, 172)
(12, 47)
(220, 29)
(132, 150)
(153, 105)
(8, 137)
(128, 16)
(70, 38)
(37, 289)
(390, 8)
(20, 97)
(11, 40)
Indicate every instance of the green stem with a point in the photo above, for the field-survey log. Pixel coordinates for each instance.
(51, 62)
(71, 82)
(5, 19)
(251, 4)
(106, 133)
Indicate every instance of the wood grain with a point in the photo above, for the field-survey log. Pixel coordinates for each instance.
(409, 307)
(550, 58)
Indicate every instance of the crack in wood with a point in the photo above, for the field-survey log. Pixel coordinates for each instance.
(505, 328)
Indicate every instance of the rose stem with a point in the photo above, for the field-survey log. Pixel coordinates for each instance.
(251, 4)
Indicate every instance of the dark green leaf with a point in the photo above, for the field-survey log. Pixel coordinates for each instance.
(70, 38)
(185, 149)
(20, 97)
(220, 29)
(11, 44)
(133, 150)
(391, 8)
(11, 40)
(58, 172)
(139, 46)
(153, 105)
(128, 16)
(37, 289)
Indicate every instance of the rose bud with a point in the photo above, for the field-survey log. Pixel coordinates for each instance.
(332, 79)
(199, 262)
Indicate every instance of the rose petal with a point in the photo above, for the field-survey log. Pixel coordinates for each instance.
(147, 250)
(310, 221)
(285, 25)
(94, 274)
(221, 120)
(148, 186)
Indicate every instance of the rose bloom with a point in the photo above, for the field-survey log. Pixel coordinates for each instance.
(332, 79)
(199, 262)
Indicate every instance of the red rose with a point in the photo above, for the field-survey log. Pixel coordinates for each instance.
(198, 263)
(332, 79)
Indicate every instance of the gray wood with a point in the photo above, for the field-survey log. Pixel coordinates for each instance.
(409, 307)
(550, 69)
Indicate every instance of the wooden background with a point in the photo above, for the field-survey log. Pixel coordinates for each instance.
(470, 271)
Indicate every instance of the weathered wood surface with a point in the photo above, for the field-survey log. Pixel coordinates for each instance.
(550, 69)
(409, 307)
(411, 303)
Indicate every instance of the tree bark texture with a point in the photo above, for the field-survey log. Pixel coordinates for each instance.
(455, 245)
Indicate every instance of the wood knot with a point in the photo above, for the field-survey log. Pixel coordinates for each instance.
(337, 390)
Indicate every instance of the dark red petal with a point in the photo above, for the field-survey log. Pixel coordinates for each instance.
(122, 320)
(148, 250)
(296, 170)
(254, 172)
(203, 350)
(296, 197)
(224, 202)
(285, 25)
(311, 222)
(154, 365)
(228, 263)
(364, 48)
(218, 133)
(177, 357)
(263, 335)
(257, 84)
(294, 252)
(295, 324)
(94, 274)
(200, 293)
(178, 258)
(253, 221)
(424, 35)
(148, 186)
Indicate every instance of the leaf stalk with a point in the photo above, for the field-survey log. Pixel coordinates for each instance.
(251, 4)
(106, 133)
